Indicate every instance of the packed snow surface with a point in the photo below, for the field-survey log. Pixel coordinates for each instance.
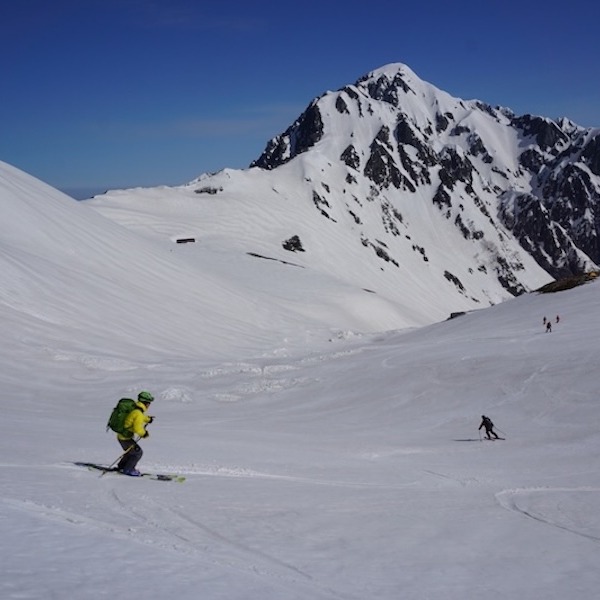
(320, 463)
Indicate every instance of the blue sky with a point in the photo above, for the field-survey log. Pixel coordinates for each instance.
(100, 94)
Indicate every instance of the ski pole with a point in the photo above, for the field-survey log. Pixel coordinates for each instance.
(119, 457)
(502, 432)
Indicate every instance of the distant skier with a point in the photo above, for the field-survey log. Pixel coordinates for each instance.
(134, 424)
(549, 327)
(557, 318)
(489, 427)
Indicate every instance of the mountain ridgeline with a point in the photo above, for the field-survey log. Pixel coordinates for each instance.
(405, 203)
(495, 177)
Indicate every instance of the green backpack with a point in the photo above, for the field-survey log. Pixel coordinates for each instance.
(116, 422)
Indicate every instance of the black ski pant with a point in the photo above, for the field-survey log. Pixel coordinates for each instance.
(133, 453)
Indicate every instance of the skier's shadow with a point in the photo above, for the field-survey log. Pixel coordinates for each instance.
(468, 440)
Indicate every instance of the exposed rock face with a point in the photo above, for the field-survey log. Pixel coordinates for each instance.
(293, 244)
(510, 187)
(300, 137)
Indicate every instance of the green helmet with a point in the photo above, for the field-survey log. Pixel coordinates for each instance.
(145, 397)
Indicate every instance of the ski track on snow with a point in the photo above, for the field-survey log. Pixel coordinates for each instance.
(556, 507)
(195, 537)
(553, 507)
(245, 473)
(184, 535)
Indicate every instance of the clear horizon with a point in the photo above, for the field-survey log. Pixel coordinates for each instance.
(103, 95)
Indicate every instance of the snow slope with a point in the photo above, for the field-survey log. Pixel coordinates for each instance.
(339, 466)
(393, 188)
(73, 270)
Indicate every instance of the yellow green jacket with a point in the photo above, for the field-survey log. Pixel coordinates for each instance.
(135, 422)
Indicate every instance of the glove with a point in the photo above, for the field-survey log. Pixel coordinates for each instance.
(146, 434)
(151, 419)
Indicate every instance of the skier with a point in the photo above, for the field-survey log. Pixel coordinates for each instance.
(135, 424)
(489, 427)
(549, 327)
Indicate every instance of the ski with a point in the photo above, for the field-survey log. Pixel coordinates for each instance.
(155, 476)
(494, 439)
(163, 477)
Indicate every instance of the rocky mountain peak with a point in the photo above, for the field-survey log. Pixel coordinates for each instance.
(493, 175)
(388, 84)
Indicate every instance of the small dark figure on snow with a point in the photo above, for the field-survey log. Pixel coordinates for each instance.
(489, 427)
(557, 318)
(544, 321)
(548, 327)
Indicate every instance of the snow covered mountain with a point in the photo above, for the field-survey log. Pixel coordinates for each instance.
(395, 188)
(406, 141)
(341, 469)
(65, 269)
(320, 462)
